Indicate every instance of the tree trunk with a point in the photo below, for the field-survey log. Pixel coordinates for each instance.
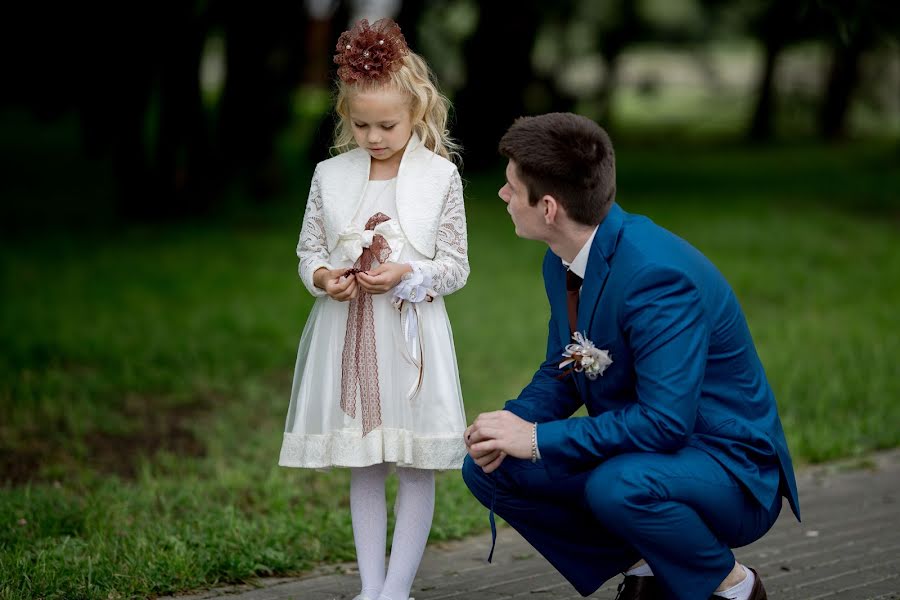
(408, 19)
(182, 166)
(498, 59)
(612, 44)
(262, 66)
(761, 125)
(842, 79)
(779, 24)
(607, 90)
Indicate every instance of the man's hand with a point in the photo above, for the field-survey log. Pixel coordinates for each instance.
(335, 284)
(495, 435)
(384, 278)
(488, 461)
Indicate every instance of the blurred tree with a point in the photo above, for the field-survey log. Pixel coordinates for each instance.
(408, 18)
(113, 94)
(71, 62)
(183, 166)
(140, 100)
(131, 72)
(851, 28)
(498, 64)
(623, 28)
(775, 24)
(613, 26)
(546, 92)
(848, 27)
(264, 61)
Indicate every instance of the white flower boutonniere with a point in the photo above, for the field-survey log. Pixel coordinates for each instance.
(585, 357)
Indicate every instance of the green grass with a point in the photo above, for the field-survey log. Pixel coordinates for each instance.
(145, 374)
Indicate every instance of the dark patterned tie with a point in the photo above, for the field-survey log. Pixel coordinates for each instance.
(573, 285)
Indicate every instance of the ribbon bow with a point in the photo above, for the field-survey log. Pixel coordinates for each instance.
(359, 362)
(353, 240)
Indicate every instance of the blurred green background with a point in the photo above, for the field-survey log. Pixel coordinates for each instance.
(156, 160)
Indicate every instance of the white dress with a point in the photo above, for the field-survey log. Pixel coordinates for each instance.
(421, 409)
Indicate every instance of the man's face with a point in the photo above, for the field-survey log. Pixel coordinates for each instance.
(528, 220)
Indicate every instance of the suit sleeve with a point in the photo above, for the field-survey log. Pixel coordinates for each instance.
(547, 398)
(667, 332)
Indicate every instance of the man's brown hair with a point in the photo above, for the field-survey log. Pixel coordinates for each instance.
(567, 156)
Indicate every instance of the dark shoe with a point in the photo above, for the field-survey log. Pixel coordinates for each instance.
(757, 593)
(639, 588)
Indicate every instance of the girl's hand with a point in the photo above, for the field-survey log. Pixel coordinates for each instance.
(335, 284)
(382, 279)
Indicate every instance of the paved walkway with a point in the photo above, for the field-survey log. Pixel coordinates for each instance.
(848, 547)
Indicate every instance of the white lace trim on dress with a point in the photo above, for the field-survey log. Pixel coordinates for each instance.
(346, 448)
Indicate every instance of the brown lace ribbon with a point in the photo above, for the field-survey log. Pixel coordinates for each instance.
(359, 363)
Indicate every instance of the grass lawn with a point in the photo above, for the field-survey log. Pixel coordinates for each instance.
(145, 373)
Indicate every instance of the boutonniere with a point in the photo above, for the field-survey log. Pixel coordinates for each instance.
(585, 358)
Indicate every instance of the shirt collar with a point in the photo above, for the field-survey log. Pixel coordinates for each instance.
(579, 263)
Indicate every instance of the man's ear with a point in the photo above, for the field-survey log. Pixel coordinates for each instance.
(552, 209)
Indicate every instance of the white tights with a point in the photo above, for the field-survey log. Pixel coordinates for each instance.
(414, 510)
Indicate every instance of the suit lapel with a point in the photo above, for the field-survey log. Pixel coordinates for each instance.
(602, 250)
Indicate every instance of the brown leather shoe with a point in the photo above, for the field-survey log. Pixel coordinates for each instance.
(639, 588)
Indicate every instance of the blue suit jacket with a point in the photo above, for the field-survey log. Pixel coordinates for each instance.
(685, 371)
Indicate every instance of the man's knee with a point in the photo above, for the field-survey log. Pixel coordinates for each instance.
(478, 482)
(615, 490)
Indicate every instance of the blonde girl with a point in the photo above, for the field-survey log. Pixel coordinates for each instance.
(383, 241)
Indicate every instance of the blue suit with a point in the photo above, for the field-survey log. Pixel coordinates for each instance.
(682, 455)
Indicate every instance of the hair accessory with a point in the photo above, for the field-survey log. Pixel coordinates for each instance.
(370, 52)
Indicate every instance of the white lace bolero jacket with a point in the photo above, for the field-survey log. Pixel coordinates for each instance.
(429, 206)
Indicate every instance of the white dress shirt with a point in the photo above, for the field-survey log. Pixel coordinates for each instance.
(579, 267)
(579, 263)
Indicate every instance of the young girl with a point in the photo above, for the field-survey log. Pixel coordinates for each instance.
(383, 240)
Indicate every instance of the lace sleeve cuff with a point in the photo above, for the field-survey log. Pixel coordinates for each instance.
(306, 276)
(415, 285)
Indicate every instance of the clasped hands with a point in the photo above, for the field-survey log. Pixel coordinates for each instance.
(343, 287)
(495, 435)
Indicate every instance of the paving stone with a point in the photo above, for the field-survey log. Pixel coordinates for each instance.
(846, 548)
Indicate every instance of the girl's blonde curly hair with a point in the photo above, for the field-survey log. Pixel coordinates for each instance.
(429, 108)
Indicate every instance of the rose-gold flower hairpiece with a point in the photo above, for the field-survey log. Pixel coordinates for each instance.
(370, 52)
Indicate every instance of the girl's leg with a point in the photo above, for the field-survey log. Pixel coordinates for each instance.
(415, 508)
(369, 513)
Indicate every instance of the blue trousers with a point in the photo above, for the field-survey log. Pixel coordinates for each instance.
(681, 512)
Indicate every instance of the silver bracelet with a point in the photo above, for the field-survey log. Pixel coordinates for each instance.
(534, 455)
